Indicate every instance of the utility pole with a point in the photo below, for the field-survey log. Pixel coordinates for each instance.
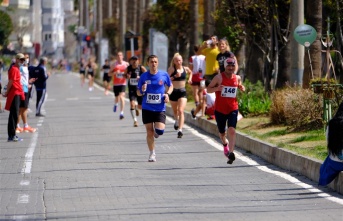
(109, 8)
(100, 32)
(297, 50)
(122, 25)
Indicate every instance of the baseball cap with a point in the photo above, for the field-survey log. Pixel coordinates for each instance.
(20, 56)
(229, 61)
(134, 58)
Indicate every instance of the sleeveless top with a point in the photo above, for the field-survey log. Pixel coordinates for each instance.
(106, 68)
(134, 73)
(226, 100)
(90, 69)
(182, 77)
(119, 78)
(82, 67)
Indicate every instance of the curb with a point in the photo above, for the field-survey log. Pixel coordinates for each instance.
(280, 157)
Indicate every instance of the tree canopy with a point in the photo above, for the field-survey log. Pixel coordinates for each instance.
(6, 28)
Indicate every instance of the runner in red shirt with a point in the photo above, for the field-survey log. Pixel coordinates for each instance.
(119, 83)
(225, 86)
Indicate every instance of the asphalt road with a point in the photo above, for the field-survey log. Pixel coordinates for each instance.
(84, 163)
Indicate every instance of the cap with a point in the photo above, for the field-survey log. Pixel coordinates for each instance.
(20, 56)
(134, 58)
(229, 61)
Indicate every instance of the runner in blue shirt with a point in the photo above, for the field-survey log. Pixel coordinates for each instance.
(155, 86)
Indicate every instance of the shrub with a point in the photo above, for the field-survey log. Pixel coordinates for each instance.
(296, 107)
(254, 101)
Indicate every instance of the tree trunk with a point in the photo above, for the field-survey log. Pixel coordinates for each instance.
(254, 66)
(209, 7)
(314, 18)
(194, 38)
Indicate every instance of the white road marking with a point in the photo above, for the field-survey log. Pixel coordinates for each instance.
(72, 98)
(29, 154)
(251, 162)
(95, 98)
(20, 217)
(23, 198)
(24, 182)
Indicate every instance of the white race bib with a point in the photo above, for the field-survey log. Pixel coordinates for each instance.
(228, 91)
(120, 75)
(133, 81)
(153, 98)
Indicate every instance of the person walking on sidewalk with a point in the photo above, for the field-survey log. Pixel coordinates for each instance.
(210, 49)
(155, 86)
(178, 99)
(14, 94)
(225, 52)
(225, 86)
(41, 74)
(119, 83)
(24, 104)
(133, 73)
(197, 65)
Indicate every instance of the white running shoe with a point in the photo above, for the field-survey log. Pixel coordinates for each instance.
(152, 157)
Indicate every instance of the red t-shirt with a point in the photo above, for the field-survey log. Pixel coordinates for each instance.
(119, 78)
(16, 89)
(226, 100)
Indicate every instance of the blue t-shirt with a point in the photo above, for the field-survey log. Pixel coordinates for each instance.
(153, 98)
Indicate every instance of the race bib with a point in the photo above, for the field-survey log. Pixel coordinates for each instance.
(153, 98)
(133, 81)
(120, 75)
(106, 71)
(229, 91)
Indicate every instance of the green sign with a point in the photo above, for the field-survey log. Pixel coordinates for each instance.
(305, 35)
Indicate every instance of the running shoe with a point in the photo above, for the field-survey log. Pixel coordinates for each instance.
(231, 157)
(211, 117)
(40, 115)
(121, 116)
(19, 130)
(152, 157)
(14, 139)
(115, 108)
(193, 115)
(137, 112)
(179, 134)
(29, 129)
(135, 124)
(226, 149)
(176, 127)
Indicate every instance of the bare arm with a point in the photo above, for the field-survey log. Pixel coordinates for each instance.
(190, 73)
(240, 85)
(215, 84)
